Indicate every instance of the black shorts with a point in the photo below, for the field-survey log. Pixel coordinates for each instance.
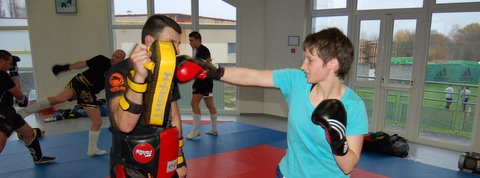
(83, 94)
(10, 120)
(203, 87)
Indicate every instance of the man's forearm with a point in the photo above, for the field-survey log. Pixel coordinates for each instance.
(125, 120)
(78, 65)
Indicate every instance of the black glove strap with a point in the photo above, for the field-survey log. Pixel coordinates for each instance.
(219, 73)
(13, 70)
(181, 161)
(13, 74)
(129, 106)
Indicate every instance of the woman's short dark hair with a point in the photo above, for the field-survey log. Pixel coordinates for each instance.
(331, 43)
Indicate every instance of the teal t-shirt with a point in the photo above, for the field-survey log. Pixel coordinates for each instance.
(308, 152)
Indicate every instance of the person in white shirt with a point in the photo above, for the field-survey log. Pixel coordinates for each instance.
(448, 96)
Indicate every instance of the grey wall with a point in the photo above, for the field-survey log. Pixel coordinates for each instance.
(284, 18)
(65, 38)
(263, 30)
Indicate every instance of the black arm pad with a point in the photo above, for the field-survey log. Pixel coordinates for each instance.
(13, 70)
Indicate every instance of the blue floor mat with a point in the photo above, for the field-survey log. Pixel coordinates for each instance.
(72, 161)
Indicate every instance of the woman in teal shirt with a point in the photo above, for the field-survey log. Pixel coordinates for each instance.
(328, 55)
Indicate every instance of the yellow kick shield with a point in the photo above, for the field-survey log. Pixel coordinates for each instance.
(158, 96)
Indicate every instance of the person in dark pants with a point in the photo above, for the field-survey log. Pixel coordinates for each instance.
(449, 96)
(202, 89)
(9, 119)
(83, 87)
(465, 94)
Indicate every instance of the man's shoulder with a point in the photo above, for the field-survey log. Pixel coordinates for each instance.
(116, 78)
(6, 80)
(98, 60)
(121, 67)
(4, 76)
(203, 48)
(100, 57)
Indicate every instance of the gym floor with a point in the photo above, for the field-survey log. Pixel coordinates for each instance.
(247, 146)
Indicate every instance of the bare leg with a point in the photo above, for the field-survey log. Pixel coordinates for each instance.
(95, 116)
(210, 105)
(63, 96)
(195, 103)
(213, 114)
(94, 132)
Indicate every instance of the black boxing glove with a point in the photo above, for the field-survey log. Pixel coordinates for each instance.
(189, 69)
(331, 115)
(13, 70)
(56, 69)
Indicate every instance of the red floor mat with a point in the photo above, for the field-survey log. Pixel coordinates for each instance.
(256, 161)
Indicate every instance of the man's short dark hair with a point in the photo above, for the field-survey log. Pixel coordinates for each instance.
(195, 35)
(5, 55)
(156, 23)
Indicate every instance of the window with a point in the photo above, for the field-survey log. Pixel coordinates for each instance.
(455, 1)
(391, 4)
(179, 10)
(16, 39)
(17, 42)
(453, 61)
(390, 38)
(329, 4)
(130, 15)
(232, 48)
(216, 12)
(129, 12)
(13, 13)
(319, 23)
(217, 24)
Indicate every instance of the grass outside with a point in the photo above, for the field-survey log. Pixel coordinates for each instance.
(435, 118)
(230, 96)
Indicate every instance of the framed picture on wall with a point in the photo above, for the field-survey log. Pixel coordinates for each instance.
(293, 40)
(66, 6)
